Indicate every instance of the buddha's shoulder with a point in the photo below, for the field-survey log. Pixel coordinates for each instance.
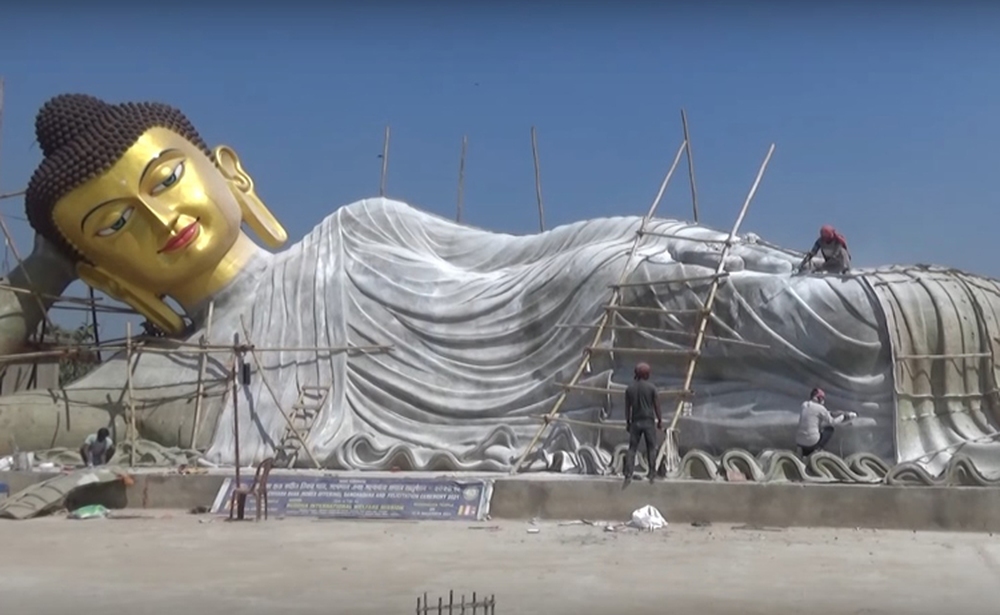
(378, 207)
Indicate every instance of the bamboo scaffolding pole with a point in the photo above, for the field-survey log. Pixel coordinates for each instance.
(11, 195)
(690, 161)
(129, 392)
(538, 181)
(236, 412)
(636, 309)
(616, 391)
(200, 390)
(709, 303)
(93, 319)
(615, 298)
(724, 340)
(562, 419)
(461, 180)
(103, 309)
(192, 349)
(385, 163)
(591, 389)
(1, 111)
(64, 298)
(28, 357)
(943, 357)
(274, 396)
(699, 278)
(651, 351)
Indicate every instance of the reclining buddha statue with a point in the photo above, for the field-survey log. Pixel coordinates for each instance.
(482, 331)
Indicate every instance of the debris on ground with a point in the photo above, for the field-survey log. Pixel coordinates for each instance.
(50, 495)
(647, 518)
(94, 511)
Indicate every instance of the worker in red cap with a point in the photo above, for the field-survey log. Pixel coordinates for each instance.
(816, 423)
(642, 407)
(833, 247)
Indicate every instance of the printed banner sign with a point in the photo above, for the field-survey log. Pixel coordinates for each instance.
(366, 498)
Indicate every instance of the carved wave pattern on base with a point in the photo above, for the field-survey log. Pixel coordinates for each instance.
(769, 466)
(821, 467)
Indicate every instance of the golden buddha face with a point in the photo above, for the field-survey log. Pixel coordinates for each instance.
(161, 217)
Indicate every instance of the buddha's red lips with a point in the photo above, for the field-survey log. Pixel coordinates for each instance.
(183, 238)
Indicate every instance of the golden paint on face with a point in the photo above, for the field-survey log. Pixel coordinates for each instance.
(163, 219)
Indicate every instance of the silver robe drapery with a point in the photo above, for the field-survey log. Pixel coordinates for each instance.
(486, 326)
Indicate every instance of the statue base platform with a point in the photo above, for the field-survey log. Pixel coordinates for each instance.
(603, 499)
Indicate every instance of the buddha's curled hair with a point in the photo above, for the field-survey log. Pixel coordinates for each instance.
(81, 137)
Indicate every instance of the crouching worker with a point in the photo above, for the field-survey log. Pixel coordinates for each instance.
(833, 247)
(642, 407)
(98, 449)
(816, 423)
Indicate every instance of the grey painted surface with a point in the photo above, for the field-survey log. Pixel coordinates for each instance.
(603, 499)
(781, 505)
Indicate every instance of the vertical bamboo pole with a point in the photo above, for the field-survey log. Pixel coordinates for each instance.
(1, 114)
(461, 180)
(198, 400)
(93, 320)
(385, 162)
(538, 181)
(615, 298)
(670, 436)
(236, 406)
(694, 188)
(131, 397)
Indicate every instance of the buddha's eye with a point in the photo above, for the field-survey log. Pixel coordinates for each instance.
(118, 224)
(174, 177)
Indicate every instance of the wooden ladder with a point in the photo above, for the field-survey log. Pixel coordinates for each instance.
(304, 412)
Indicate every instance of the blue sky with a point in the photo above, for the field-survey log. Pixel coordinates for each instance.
(886, 121)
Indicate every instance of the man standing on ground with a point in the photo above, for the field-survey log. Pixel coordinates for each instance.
(98, 449)
(642, 407)
(816, 423)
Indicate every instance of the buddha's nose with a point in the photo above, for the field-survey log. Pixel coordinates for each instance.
(161, 213)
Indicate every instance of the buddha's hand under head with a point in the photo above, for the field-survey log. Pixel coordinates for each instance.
(46, 272)
(133, 195)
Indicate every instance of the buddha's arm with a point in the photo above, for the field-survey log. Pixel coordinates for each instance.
(46, 272)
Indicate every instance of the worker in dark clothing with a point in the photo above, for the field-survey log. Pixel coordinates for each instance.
(833, 246)
(642, 407)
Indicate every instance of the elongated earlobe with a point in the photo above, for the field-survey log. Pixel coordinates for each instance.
(256, 215)
(144, 302)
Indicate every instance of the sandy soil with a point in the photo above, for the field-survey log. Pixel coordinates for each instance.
(180, 563)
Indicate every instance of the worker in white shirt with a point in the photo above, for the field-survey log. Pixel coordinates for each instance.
(98, 449)
(816, 423)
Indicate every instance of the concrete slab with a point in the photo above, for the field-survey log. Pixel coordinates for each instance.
(562, 497)
(193, 564)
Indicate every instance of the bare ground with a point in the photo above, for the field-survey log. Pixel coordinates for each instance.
(179, 563)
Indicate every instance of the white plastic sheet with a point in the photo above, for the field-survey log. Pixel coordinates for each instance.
(647, 518)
